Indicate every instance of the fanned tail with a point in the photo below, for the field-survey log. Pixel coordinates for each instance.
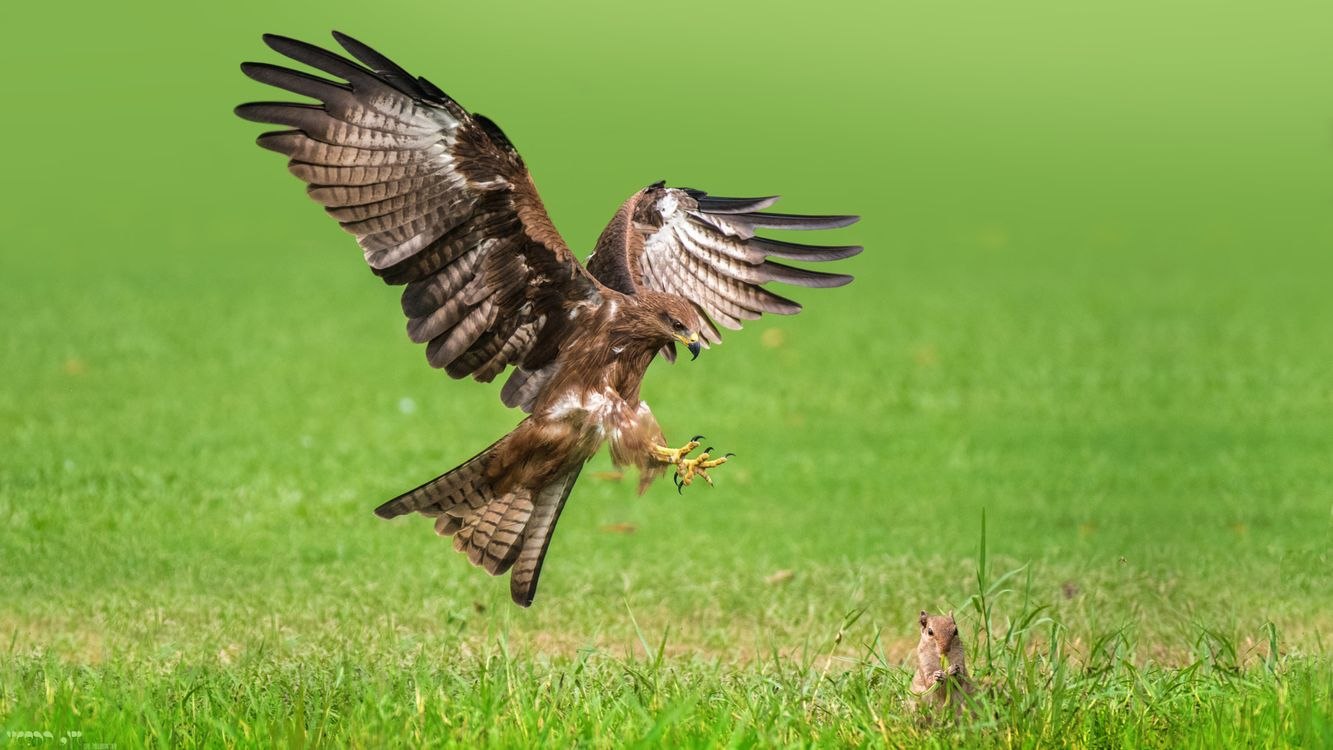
(497, 531)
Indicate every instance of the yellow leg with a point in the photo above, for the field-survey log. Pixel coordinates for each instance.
(676, 455)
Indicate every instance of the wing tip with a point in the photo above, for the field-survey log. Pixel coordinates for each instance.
(830, 281)
(389, 510)
(274, 41)
(801, 221)
(797, 276)
(249, 111)
(796, 251)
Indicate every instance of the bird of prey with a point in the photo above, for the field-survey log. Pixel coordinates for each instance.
(442, 204)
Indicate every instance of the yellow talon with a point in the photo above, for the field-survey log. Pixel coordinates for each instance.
(689, 468)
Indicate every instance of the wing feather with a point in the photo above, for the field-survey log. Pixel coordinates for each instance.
(715, 204)
(325, 174)
(438, 199)
(704, 248)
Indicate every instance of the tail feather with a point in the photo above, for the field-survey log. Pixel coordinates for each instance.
(448, 524)
(537, 537)
(464, 485)
(498, 532)
(491, 538)
(506, 542)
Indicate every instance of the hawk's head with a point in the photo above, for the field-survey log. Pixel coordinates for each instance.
(680, 322)
(663, 320)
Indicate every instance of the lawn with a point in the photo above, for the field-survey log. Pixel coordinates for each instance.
(1080, 391)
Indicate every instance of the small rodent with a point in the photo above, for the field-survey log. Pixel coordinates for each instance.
(934, 683)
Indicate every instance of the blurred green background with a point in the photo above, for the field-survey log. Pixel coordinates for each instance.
(1094, 301)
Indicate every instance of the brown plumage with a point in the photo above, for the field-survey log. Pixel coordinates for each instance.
(442, 204)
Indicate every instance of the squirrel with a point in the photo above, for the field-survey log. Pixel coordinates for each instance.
(934, 684)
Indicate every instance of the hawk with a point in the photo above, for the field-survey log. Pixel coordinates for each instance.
(442, 204)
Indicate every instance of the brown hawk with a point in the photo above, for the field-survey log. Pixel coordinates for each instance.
(442, 204)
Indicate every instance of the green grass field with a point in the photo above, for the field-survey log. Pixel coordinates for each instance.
(1094, 306)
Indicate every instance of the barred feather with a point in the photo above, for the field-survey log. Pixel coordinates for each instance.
(430, 191)
(704, 248)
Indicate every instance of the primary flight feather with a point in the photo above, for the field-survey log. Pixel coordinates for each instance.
(443, 205)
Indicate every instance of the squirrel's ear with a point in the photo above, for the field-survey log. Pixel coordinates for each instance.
(923, 618)
(951, 616)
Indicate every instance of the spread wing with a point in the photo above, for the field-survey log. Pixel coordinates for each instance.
(439, 200)
(704, 248)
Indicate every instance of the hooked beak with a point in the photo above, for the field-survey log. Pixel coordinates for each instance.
(692, 343)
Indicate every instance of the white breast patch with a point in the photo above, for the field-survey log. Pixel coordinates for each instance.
(600, 405)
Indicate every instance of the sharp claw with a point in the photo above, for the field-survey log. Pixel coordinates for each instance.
(687, 469)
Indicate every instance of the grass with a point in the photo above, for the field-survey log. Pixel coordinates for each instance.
(1093, 310)
(598, 701)
(1040, 686)
(189, 557)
